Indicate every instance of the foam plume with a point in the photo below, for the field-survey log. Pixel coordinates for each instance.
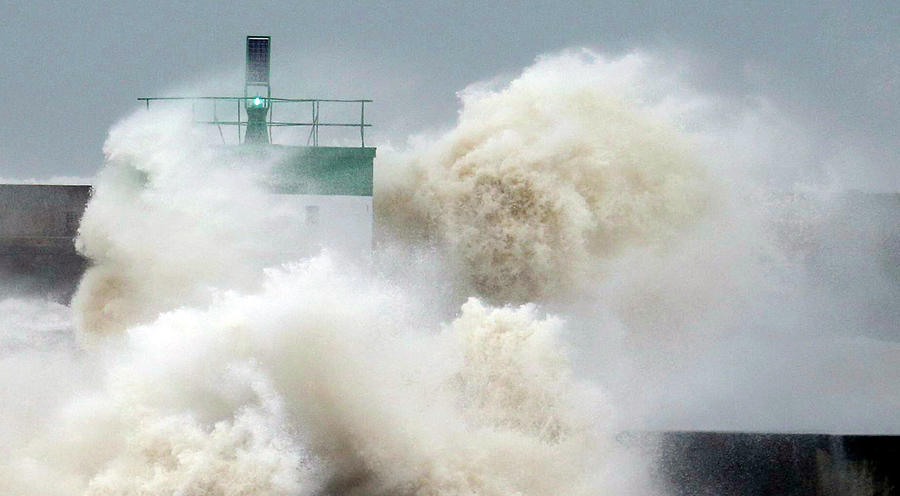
(222, 354)
(226, 366)
(170, 219)
(543, 179)
(288, 391)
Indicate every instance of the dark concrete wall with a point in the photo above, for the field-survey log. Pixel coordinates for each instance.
(38, 224)
(41, 211)
(716, 463)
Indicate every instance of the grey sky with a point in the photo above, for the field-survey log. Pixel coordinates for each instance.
(72, 69)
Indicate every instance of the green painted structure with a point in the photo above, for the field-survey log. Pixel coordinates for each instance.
(324, 170)
(301, 170)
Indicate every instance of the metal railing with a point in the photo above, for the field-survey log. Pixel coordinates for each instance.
(240, 101)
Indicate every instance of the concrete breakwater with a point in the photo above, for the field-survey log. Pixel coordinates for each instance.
(38, 224)
(737, 463)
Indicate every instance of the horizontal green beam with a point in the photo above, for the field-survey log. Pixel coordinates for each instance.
(243, 98)
(276, 124)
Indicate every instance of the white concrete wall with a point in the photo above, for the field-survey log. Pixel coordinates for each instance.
(338, 223)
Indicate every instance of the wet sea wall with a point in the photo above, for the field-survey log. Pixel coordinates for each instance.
(734, 463)
(38, 224)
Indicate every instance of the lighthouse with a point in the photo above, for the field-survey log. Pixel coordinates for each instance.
(257, 91)
(330, 186)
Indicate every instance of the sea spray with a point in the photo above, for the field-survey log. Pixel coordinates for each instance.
(289, 390)
(611, 192)
(222, 358)
(230, 369)
(171, 218)
(543, 179)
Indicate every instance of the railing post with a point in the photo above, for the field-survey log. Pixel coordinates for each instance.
(312, 130)
(316, 110)
(362, 124)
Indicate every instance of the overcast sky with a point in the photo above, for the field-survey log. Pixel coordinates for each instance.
(72, 69)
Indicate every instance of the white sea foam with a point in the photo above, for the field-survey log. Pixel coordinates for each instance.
(569, 261)
(543, 179)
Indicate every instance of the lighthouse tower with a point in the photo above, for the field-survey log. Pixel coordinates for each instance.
(257, 91)
(330, 185)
